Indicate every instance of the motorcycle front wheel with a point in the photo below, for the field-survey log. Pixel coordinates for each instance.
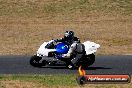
(34, 61)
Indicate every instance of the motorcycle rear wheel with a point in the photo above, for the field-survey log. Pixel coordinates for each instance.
(87, 61)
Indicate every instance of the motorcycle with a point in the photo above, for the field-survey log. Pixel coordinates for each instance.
(48, 53)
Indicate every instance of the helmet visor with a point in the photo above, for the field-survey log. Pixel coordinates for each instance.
(66, 34)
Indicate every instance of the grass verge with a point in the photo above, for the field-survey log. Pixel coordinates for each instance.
(50, 81)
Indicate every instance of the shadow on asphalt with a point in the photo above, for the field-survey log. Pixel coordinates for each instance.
(63, 67)
(95, 68)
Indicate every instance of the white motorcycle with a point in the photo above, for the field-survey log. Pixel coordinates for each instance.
(49, 55)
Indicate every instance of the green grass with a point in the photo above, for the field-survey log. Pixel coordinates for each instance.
(52, 81)
(47, 80)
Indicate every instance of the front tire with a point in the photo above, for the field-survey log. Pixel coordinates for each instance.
(34, 61)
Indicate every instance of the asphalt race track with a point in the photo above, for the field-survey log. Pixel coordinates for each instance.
(103, 65)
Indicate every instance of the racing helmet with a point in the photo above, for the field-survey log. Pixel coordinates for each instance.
(69, 34)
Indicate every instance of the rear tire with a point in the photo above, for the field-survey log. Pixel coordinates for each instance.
(88, 60)
(34, 61)
(91, 59)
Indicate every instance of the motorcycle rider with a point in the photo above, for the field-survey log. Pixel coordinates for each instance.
(76, 52)
(69, 38)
